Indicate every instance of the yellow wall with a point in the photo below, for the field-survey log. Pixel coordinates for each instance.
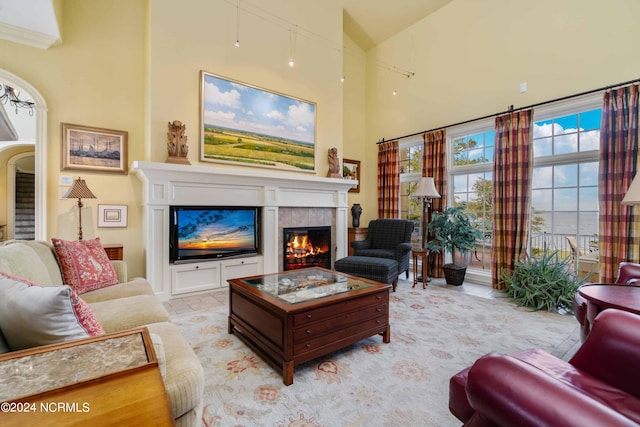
(135, 65)
(354, 102)
(470, 57)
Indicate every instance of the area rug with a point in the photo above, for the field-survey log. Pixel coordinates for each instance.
(435, 332)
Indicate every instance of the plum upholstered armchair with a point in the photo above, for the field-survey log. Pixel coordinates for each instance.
(387, 238)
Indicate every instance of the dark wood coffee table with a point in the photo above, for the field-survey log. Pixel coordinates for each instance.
(602, 296)
(293, 317)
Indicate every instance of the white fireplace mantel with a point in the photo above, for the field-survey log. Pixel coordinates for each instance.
(166, 184)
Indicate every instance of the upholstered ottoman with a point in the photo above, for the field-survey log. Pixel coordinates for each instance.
(381, 270)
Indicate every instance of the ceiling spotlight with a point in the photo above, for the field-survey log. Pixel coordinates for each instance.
(342, 79)
(292, 47)
(394, 93)
(237, 44)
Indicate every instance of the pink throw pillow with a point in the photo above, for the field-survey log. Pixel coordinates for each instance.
(84, 264)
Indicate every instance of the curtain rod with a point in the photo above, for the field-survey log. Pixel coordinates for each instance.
(511, 109)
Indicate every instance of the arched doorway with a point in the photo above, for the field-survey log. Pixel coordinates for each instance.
(40, 114)
(21, 190)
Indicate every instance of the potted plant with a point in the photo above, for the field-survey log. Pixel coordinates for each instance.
(453, 230)
(546, 282)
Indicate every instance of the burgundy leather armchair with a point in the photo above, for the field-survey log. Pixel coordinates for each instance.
(628, 273)
(599, 386)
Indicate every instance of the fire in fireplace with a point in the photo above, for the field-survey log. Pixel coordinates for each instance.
(307, 247)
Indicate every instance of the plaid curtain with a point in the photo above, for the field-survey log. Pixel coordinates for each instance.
(434, 164)
(619, 234)
(388, 179)
(512, 172)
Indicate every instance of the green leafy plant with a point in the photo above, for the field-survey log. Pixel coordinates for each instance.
(453, 230)
(547, 282)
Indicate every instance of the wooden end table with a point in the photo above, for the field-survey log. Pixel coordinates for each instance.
(424, 255)
(602, 296)
(296, 316)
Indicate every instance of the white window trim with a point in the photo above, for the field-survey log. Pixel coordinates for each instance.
(544, 112)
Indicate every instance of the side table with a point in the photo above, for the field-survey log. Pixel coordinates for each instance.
(423, 255)
(602, 296)
(356, 234)
(114, 251)
(108, 380)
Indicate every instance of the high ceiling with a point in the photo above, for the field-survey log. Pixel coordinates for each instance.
(367, 22)
(370, 22)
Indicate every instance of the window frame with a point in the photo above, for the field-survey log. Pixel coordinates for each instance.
(549, 111)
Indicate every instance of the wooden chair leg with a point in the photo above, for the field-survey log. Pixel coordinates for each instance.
(395, 285)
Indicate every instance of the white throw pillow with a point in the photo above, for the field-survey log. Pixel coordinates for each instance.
(32, 315)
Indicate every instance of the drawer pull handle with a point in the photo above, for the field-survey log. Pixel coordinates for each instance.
(308, 316)
(197, 267)
(378, 322)
(308, 332)
(308, 345)
(378, 310)
(378, 297)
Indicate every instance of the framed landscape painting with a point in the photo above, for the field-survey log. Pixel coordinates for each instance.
(247, 125)
(351, 170)
(93, 149)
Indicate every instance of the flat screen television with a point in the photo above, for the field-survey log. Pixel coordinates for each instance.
(212, 232)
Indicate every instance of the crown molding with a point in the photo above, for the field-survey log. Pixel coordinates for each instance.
(28, 37)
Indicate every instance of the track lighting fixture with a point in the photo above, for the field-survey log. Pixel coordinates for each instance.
(292, 47)
(237, 43)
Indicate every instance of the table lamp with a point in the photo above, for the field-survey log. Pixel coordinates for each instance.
(633, 193)
(79, 190)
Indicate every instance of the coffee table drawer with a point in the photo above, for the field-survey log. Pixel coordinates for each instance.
(340, 334)
(313, 330)
(333, 310)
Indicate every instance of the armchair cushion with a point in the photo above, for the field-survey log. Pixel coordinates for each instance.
(598, 386)
(20, 260)
(387, 238)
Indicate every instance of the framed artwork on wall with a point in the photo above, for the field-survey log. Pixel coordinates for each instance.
(93, 149)
(112, 215)
(247, 125)
(351, 170)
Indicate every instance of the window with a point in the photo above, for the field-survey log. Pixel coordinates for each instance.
(410, 173)
(472, 177)
(564, 196)
(566, 141)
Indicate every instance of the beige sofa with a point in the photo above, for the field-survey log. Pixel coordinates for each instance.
(129, 304)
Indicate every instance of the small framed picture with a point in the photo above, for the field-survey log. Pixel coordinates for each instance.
(112, 215)
(93, 149)
(351, 170)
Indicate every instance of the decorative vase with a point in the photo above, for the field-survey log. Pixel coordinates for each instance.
(356, 211)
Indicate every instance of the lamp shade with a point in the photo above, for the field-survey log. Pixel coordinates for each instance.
(633, 193)
(79, 190)
(426, 188)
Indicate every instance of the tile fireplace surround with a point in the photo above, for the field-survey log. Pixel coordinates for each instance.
(276, 192)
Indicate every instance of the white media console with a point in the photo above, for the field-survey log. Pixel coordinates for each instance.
(166, 184)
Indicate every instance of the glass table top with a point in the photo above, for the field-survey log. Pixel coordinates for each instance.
(303, 285)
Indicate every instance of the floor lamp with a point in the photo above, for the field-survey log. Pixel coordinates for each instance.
(79, 191)
(427, 191)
